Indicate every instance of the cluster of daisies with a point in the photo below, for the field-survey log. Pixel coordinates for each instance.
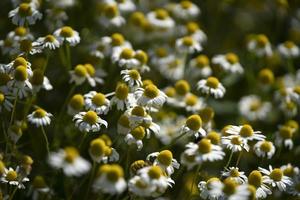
(144, 111)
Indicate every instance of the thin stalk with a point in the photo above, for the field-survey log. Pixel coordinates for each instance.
(90, 180)
(82, 140)
(229, 160)
(46, 140)
(13, 193)
(239, 158)
(14, 109)
(194, 180)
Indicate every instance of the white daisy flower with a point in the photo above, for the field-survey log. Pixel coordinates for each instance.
(20, 84)
(39, 188)
(252, 108)
(15, 132)
(229, 63)
(171, 67)
(289, 49)
(260, 183)
(89, 121)
(204, 151)
(110, 179)
(138, 186)
(246, 133)
(123, 126)
(188, 44)
(151, 96)
(193, 126)
(122, 98)
(160, 19)
(135, 136)
(193, 103)
(111, 16)
(276, 178)
(294, 188)
(124, 57)
(20, 33)
(234, 143)
(126, 6)
(211, 86)
(81, 73)
(199, 66)
(39, 81)
(25, 13)
(67, 34)
(234, 174)
(100, 152)
(165, 160)
(284, 136)
(185, 10)
(76, 104)
(48, 42)
(205, 188)
(290, 170)
(5, 101)
(188, 160)
(19, 61)
(264, 149)
(192, 29)
(39, 117)
(14, 177)
(69, 160)
(260, 46)
(96, 102)
(132, 78)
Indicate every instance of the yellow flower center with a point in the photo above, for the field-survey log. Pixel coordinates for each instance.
(255, 178)
(90, 117)
(214, 137)
(127, 53)
(234, 173)
(161, 52)
(134, 74)
(39, 182)
(4, 78)
(117, 39)
(255, 105)
(20, 31)
(26, 160)
(187, 41)
(90, 69)
(165, 157)
(293, 124)
(155, 172)
(229, 186)
(124, 121)
(99, 99)
(170, 91)
(232, 58)
(66, 32)
(286, 132)
(147, 82)
(204, 146)
(77, 102)
(37, 77)
(138, 111)
(289, 44)
(189, 158)
(106, 139)
(40, 113)
(276, 174)
(194, 122)
(186, 4)
(141, 56)
(50, 38)
(25, 46)
(202, 61)
(21, 73)
(212, 82)
(182, 87)
(71, 154)
(262, 40)
(103, 169)
(192, 27)
(137, 18)
(11, 175)
(141, 184)
(2, 98)
(266, 146)
(97, 147)
(161, 14)
(122, 91)
(289, 171)
(252, 191)
(138, 132)
(191, 100)
(236, 140)
(111, 11)
(246, 131)
(25, 10)
(80, 71)
(210, 181)
(151, 91)
(296, 89)
(266, 76)
(207, 114)
(115, 173)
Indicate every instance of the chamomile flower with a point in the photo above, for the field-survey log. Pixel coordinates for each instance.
(132, 78)
(5, 101)
(151, 96)
(97, 102)
(76, 104)
(48, 42)
(199, 66)
(67, 34)
(185, 10)
(110, 16)
(69, 160)
(193, 126)
(290, 170)
(110, 179)
(188, 160)
(165, 160)
(160, 19)
(20, 83)
(25, 13)
(205, 188)
(253, 108)
(294, 188)
(211, 86)
(135, 136)
(234, 143)
(204, 151)
(89, 121)
(260, 46)
(123, 126)
(188, 44)
(138, 186)
(122, 98)
(229, 63)
(264, 149)
(276, 178)
(234, 174)
(246, 132)
(192, 29)
(14, 177)
(138, 116)
(40, 188)
(19, 61)
(284, 136)
(15, 132)
(289, 49)
(39, 81)
(124, 57)
(20, 33)
(260, 183)
(100, 152)
(81, 73)
(39, 117)
(193, 103)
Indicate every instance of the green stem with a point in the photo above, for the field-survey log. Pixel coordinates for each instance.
(82, 140)
(239, 158)
(229, 160)
(68, 56)
(14, 109)
(13, 193)
(290, 66)
(90, 180)
(46, 140)
(194, 180)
